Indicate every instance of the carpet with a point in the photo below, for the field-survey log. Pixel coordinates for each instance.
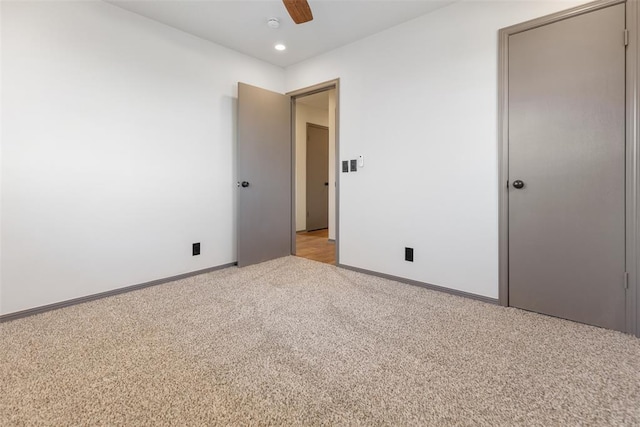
(296, 342)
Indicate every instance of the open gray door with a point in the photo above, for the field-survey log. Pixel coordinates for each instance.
(264, 175)
(567, 168)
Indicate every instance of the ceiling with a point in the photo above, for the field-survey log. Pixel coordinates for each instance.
(317, 100)
(242, 24)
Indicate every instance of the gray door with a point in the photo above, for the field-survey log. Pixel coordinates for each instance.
(264, 175)
(567, 145)
(317, 177)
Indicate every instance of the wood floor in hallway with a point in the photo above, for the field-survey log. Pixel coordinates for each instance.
(316, 246)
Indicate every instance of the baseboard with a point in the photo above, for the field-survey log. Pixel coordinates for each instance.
(422, 284)
(93, 297)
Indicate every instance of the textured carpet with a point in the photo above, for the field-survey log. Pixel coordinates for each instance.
(295, 342)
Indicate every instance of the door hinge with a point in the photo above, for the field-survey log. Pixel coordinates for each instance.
(626, 37)
(626, 280)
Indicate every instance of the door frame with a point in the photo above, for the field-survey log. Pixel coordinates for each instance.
(310, 90)
(632, 149)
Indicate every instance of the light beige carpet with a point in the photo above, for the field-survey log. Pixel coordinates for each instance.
(295, 342)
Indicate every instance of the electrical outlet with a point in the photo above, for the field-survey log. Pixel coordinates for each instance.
(195, 249)
(408, 254)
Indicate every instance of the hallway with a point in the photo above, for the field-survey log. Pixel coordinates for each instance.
(316, 246)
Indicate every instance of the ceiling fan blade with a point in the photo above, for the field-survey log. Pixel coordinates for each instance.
(299, 10)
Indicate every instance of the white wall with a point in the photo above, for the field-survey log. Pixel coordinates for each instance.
(1, 134)
(419, 101)
(305, 114)
(117, 150)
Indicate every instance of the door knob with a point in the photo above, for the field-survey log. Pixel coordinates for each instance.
(244, 184)
(518, 184)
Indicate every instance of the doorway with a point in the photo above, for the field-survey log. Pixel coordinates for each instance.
(317, 178)
(266, 180)
(315, 219)
(564, 223)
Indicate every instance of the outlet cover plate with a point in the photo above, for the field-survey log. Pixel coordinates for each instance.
(408, 254)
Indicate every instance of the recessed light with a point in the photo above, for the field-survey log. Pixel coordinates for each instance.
(280, 46)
